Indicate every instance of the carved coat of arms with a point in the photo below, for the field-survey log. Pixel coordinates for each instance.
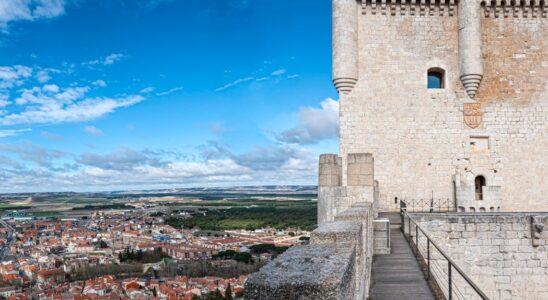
(472, 114)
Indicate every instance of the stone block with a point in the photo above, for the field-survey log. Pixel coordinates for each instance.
(336, 232)
(330, 170)
(323, 272)
(360, 170)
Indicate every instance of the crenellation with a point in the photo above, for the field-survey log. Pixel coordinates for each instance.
(516, 9)
(411, 7)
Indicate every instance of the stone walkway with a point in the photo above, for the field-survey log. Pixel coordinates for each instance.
(397, 275)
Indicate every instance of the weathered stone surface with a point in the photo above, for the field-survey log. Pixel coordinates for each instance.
(381, 232)
(336, 232)
(360, 170)
(330, 170)
(499, 251)
(309, 272)
(333, 200)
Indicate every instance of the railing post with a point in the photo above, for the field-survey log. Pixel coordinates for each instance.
(402, 215)
(408, 225)
(417, 237)
(428, 255)
(450, 287)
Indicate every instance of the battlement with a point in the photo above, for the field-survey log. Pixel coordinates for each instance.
(335, 265)
(334, 196)
(515, 8)
(409, 7)
(337, 262)
(491, 8)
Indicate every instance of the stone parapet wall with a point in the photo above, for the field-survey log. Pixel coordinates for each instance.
(506, 254)
(381, 229)
(335, 265)
(335, 197)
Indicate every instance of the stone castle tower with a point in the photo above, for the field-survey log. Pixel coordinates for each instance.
(450, 98)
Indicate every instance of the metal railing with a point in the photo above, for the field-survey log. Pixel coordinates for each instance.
(434, 270)
(429, 205)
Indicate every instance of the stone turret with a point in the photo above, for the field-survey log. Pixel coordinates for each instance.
(345, 45)
(470, 60)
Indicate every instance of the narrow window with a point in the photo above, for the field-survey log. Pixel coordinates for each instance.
(436, 78)
(479, 183)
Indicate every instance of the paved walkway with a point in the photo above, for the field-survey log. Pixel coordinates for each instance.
(397, 275)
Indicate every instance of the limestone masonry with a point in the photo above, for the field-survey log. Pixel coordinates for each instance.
(443, 107)
(488, 120)
(506, 254)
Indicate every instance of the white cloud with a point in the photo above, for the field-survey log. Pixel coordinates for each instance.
(49, 8)
(63, 107)
(147, 90)
(4, 100)
(42, 76)
(51, 103)
(173, 90)
(30, 152)
(92, 130)
(50, 95)
(112, 58)
(51, 88)
(126, 168)
(107, 60)
(29, 10)
(13, 76)
(234, 83)
(314, 124)
(12, 132)
(292, 76)
(99, 83)
(278, 72)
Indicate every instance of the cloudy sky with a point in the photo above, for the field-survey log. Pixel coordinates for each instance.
(138, 94)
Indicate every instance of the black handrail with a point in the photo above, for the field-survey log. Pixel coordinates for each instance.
(450, 262)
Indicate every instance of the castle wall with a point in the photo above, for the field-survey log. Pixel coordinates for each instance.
(504, 254)
(514, 93)
(418, 136)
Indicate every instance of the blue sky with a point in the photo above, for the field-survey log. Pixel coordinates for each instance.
(142, 94)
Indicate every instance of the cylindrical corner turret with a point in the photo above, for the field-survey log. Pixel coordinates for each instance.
(471, 62)
(345, 45)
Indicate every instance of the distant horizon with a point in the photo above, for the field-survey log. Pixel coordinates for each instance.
(164, 189)
(144, 94)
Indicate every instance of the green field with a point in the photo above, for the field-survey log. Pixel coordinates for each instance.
(280, 217)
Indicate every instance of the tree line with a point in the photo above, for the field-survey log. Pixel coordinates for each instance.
(304, 217)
